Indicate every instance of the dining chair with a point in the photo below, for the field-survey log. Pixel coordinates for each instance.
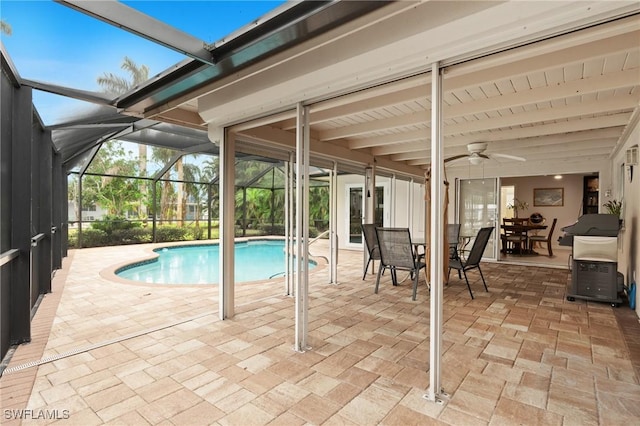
(544, 239)
(371, 242)
(514, 237)
(473, 260)
(397, 253)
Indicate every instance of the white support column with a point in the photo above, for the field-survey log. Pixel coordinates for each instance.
(394, 188)
(226, 286)
(288, 226)
(411, 205)
(369, 206)
(435, 392)
(302, 228)
(333, 225)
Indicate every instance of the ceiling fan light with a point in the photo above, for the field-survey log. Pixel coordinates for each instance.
(475, 160)
(477, 147)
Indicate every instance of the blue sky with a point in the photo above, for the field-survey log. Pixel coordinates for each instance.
(54, 43)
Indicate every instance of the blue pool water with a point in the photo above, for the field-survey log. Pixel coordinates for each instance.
(254, 260)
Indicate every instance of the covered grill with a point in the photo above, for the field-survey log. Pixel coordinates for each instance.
(594, 264)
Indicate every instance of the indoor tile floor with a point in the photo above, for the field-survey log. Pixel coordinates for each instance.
(107, 352)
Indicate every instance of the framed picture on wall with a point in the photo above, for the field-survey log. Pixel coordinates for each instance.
(553, 197)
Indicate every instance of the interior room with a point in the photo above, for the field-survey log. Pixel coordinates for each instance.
(566, 211)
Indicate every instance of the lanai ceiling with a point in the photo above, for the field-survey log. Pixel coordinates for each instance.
(556, 83)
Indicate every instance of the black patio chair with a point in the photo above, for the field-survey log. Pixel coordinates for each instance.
(397, 253)
(453, 236)
(371, 243)
(473, 260)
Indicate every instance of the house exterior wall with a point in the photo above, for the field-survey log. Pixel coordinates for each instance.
(629, 192)
(399, 206)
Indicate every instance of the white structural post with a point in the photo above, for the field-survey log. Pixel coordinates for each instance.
(411, 206)
(369, 205)
(333, 215)
(394, 187)
(288, 226)
(435, 392)
(227, 197)
(302, 228)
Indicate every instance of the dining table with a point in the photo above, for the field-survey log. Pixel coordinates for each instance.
(418, 242)
(460, 245)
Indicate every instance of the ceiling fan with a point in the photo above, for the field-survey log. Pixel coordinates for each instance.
(476, 154)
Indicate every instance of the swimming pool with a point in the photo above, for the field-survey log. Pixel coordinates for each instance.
(198, 264)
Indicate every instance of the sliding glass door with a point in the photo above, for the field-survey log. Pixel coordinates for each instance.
(355, 201)
(478, 208)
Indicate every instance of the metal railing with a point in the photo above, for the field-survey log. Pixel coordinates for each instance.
(8, 256)
(37, 238)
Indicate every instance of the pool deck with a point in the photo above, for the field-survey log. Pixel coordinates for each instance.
(111, 352)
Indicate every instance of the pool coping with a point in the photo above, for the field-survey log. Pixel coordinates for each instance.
(148, 254)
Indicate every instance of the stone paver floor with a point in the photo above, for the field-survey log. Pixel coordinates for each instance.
(109, 352)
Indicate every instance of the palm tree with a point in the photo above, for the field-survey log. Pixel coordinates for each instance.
(210, 172)
(193, 190)
(5, 27)
(117, 85)
(167, 199)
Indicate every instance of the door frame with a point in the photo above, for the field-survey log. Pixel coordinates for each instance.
(386, 206)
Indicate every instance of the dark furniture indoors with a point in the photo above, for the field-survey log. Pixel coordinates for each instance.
(514, 236)
(543, 239)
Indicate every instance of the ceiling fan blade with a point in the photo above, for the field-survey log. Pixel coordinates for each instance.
(510, 157)
(455, 157)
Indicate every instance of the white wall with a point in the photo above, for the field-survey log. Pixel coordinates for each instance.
(401, 214)
(629, 192)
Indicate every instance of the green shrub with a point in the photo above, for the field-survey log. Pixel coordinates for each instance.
(268, 229)
(132, 236)
(110, 223)
(170, 233)
(72, 238)
(195, 233)
(93, 238)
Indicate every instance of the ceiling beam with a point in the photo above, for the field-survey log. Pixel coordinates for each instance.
(368, 100)
(613, 120)
(589, 164)
(453, 148)
(542, 56)
(475, 73)
(182, 116)
(533, 153)
(282, 138)
(619, 103)
(586, 86)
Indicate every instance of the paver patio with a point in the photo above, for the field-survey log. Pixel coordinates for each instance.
(105, 351)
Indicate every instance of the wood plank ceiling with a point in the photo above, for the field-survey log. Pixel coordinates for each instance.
(560, 101)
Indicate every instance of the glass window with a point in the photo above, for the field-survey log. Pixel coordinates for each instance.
(478, 209)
